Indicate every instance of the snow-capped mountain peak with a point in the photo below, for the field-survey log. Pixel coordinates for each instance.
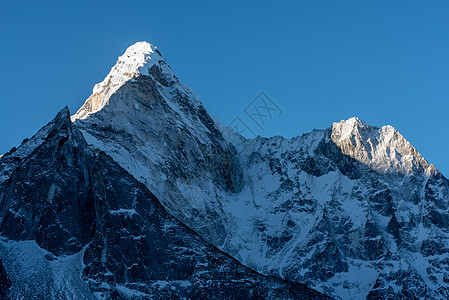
(137, 60)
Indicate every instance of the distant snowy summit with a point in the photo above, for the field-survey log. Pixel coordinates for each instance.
(383, 149)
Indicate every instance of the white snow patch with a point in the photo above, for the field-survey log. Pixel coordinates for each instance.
(129, 293)
(123, 211)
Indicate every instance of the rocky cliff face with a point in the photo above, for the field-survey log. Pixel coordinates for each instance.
(353, 210)
(77, 225)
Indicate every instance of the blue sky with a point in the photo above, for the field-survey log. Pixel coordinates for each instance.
(386, 62)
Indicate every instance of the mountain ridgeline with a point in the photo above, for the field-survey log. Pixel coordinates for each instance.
(141, 194)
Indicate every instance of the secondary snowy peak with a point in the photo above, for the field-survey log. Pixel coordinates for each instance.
(382, 149)
(139, 59)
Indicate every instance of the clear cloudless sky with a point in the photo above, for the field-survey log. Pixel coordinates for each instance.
(386, 62)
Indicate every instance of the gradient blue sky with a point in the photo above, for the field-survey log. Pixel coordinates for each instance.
(386, 62)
